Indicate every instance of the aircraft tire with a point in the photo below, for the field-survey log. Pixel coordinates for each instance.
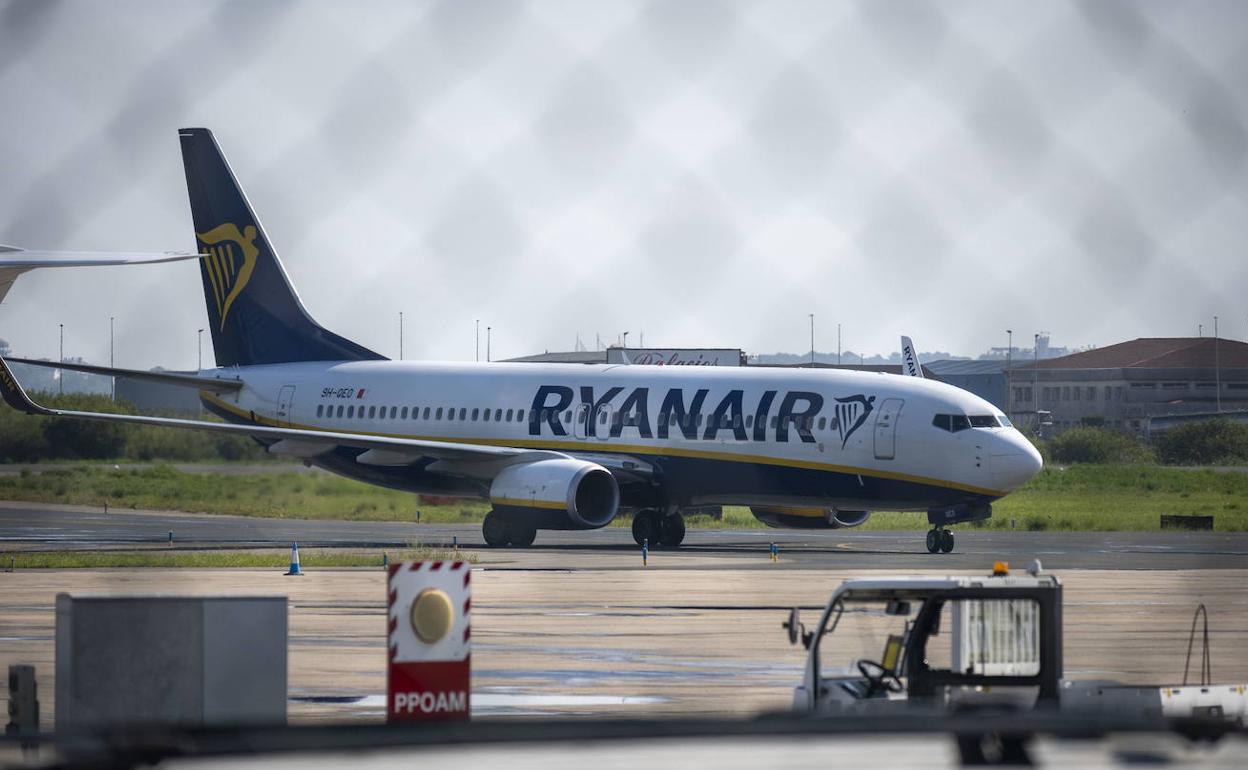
(522, 535)
(495, 531)
(946, 541)
(933, 541)
(647, 528)
(672, 530)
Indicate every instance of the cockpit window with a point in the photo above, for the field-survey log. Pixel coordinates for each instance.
(957, 422)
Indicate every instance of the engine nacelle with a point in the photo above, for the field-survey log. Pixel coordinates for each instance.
(560, 493)
(809, 518)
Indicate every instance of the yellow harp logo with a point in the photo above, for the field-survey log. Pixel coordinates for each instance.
(229, 264)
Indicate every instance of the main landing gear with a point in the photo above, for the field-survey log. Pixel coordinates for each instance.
(652, 527)
(939, 540)
(499, 532)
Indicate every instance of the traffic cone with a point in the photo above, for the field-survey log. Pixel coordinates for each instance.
(294, 560)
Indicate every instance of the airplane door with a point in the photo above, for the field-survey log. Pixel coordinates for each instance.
(886, 428)
(284, 398)
(580, 422)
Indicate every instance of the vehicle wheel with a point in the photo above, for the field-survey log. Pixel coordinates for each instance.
(495, 530)
(646, 527)
(672, 530)
(933, 541)
(522, 535)
(946, 541)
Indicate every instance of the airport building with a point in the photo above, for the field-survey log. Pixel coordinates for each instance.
(1137, 386)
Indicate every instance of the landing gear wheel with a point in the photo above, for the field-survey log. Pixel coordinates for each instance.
(522, 535)
(647, 528)
(933, 541)
(946, 541)
(495, 530)
(672, 530)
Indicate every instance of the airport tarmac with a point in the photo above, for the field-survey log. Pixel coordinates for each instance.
(690, 635)
(25, 526)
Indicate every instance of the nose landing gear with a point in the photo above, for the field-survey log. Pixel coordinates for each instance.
(939, 541)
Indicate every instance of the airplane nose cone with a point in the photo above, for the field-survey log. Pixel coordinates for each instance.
(1014, 462)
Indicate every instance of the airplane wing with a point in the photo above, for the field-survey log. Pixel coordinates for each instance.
(183, 379)
(910, 359)
(14, 261)
(468, 459)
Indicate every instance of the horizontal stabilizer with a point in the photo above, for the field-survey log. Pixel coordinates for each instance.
(14, 261)
(181, 379)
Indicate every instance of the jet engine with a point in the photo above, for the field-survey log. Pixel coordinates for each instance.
(560, 493)
(809, 518)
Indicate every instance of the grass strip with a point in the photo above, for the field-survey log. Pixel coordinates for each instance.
(1075, 498)
(309, 559)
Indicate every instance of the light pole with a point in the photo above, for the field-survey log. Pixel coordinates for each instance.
(812, 340)
(487, 343)
(1035, 378)
(400, 335)
(478, 341)
(624, 344)
(199, 350)
(1217, 368)
(60, 373)
(838, 344)
(1009, 353)
(112, 381)
(1200, 330)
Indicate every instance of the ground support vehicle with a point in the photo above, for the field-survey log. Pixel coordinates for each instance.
(969, 642)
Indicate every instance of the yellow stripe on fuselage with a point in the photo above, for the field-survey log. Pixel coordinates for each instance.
(660, 451)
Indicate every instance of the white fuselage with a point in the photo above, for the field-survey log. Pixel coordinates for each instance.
(718, 435)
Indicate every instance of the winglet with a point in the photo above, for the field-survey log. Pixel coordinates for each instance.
(909, 359)
(13, 393)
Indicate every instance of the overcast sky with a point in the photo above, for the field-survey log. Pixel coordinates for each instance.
(708, 173)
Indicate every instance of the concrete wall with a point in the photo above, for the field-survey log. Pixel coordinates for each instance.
(170, 660)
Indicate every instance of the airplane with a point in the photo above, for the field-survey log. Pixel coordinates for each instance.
(559, 447)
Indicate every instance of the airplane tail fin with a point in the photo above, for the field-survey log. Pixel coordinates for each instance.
(255, 315)
(910, 359)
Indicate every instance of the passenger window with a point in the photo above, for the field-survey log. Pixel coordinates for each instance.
(749, 421)
(822, 420)
(450, 413)
(509, 415)
(403, 414)
(463, 414)
(602, 418)
(498, 415)
(340, 410)
(351, 411)
(475, 413)
(774, 422)
(439, 413)
(425, 416)
(319, 409)
(567, 416)
(485, 415)
(394, 410)
(519, 415)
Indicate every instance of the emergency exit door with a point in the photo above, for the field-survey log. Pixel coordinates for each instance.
(886, 428)
(284, 398)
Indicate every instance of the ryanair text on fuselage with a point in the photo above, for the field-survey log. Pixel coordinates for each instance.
(690, 416)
